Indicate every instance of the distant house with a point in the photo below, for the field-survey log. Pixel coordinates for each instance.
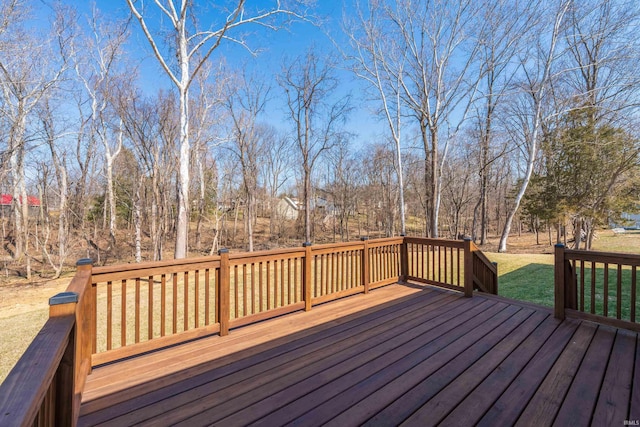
(6, 202)
(287, 208)
(629, 222)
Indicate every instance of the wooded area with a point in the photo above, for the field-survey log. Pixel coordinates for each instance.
(493, 115)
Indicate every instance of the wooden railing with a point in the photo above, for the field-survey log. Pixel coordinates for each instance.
(109, 313)
(443, 263)
(45, 386)
(598, 286)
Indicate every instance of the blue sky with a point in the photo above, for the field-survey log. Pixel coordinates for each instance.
(273, 48)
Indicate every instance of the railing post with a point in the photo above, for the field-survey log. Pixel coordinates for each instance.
(404, 259)
(559, 282)
(468, 267)
(86, 316)
(365, 264)
(64, 304)
(306, 277)
(224, 281)
(85, 332)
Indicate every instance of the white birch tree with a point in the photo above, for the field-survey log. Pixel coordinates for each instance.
(382, 68)
(193, 38)
(26, 76)
(98, 65)
(537, 67)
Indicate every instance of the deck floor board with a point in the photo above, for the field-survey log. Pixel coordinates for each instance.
(400, 354)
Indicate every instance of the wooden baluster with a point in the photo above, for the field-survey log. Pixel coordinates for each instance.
(619, 293)
(605, 291)
(150, 309)
(236, 292)
(207, 295)
(634, 290)
(282, 287)
(298, 296)
(268, 273)
(196, 299)
(163, 305)
(253, 288)
(185, 283)
(244, 290)
(321, 287)
(109, 314)
(582, 285)
(137, 317)
(123, 313)
(458, 266)
(261, 296)
(175, 302)
(275, 284)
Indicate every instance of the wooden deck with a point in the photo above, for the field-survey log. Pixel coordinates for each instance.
(400, 354)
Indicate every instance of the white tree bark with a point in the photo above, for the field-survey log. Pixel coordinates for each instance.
(373, 64)
(193, 49)
(537, 87)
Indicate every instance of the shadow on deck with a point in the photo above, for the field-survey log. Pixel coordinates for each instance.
(402, 353)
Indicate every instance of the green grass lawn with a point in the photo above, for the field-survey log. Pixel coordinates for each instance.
(529, 277)
(525, 277)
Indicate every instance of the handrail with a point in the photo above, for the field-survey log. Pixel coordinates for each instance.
(598, 286)
(45, 387)
(485, 272)
(215, 294)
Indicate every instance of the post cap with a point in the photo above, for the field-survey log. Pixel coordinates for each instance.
(223, 251)
(363, 238)
(63, 298)
(84, 261)
(306, 244)
(467, 239)
(403, 235)
(559, 245)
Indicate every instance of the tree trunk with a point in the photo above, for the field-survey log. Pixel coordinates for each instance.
(137, 220)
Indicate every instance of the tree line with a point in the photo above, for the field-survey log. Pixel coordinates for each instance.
(493, 113)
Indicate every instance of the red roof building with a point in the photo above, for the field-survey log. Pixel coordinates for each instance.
(7, 199)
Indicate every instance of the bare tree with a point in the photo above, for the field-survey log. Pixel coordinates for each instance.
(501, 31)
(208, 116)
(275, 169)
(537, 67)
(59, 162)
(245, 102)
(344, 167)
(97, 62)
(603, 57)
(26, 76)
(435, 72)
(308, 83)
(382, 68)
(192, 43)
